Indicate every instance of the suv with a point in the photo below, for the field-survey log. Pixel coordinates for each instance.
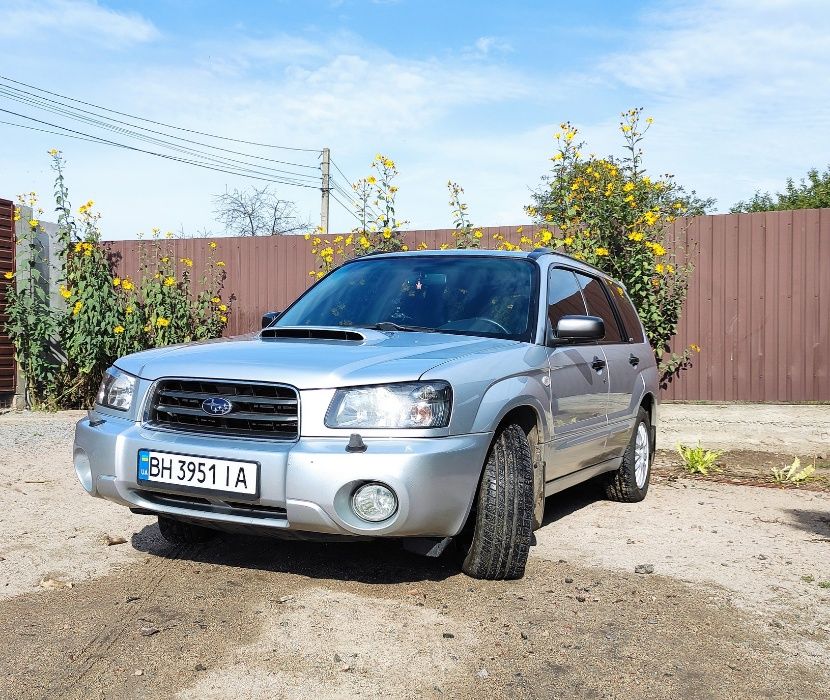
(432, 396)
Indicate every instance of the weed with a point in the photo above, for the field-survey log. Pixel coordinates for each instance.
(697, 460)
(794, 474)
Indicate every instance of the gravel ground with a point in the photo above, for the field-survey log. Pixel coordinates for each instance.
(734, 608)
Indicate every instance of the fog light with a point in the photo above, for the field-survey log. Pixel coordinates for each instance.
(83, 469)
(374, 502)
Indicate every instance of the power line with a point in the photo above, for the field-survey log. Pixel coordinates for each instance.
(157, 123)
(347, 208)
(210, 157)
(55, 106)
(72, 133)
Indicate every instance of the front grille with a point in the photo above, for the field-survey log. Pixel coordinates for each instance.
(257, 410)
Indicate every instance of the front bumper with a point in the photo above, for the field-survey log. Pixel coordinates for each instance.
(305, 486)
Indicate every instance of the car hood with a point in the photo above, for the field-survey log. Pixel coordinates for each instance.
(312, 363)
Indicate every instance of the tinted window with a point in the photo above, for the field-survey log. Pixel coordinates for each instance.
(469, 295)
(630, 319)
(564, 296)
(598, 305)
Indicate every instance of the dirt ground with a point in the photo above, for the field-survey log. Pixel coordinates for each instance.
(738, 605)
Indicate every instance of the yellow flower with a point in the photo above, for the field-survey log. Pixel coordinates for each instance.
(695, 347)
(404, 247)
(147, 327)
(545, 235)
(34, 223)
(649, 120)
(348, 240)
(223, 319)
(223, 307)
(393, 189)
(165, 259)
(212, 244)
(77, 308)
(444, 246)
(168, 234)
(161, 321)
(557, 156)
(216, 300)
(371, 179)
(422, 245)
(53, 152)
(670, 268)
(188, 262)
(628, 186)
(363, 241)
(629, 198)
(387, 233)
(602, 252)
(635, 236)
(169, 281)
(307, 236)
(79, 247)
(659, 268)
(116, 281)
(126, 284)
(656, 248)
(10, 275)
(129, 309)
(477, 233)
(568, 240)
(220, 264)
(64, 292)
(118, 329)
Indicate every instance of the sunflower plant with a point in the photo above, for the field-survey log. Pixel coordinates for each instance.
(64, 348)
(378, 229)
(611, 213)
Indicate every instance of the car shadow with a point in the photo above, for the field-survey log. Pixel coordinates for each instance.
(813, 521)
(376, 561)
(574, 499)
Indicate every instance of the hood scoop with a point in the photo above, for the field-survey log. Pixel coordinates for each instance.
(312, 333)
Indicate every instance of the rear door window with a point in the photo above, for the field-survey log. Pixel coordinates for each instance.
(628, 314)
(599, 305)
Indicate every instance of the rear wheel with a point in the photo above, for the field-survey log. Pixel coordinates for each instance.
(178, 532)
(629, 483)
(502, 522)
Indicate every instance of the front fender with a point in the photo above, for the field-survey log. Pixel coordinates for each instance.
(513, 392)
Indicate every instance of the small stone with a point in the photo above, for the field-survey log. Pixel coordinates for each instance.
(762, 557)
(285, 599)
(149, 631)
(132, 598)
(644, 569)
(482, 673)
(138, 672)
(200, 667)
(569, 580)
(448, 635)
(581, 598)
(111, 540)
(524, 635)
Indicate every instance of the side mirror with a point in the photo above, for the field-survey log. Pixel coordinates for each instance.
(579, 328)
(269, 317)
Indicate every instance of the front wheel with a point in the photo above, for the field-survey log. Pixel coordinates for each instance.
(629, 483)
(502, 522)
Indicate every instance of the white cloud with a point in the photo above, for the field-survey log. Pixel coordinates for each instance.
(80, 19)
(486, 45)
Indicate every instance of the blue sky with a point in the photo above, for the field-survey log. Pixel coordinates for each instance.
(469, 91)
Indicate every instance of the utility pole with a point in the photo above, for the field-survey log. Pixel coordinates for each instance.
(324, 203)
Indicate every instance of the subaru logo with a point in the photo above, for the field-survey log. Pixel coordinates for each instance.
(216, 406)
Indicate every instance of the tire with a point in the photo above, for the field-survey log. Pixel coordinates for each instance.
(502, 520)
(178, 532)
(626, 484)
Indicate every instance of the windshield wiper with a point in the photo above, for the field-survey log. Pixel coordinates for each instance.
(390, 326)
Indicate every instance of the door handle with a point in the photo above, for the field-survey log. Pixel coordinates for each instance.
(598, 364)
(633, 360)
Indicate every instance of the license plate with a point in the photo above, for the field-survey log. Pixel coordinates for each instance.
(182, 472)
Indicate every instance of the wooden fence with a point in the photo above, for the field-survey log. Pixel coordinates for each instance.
(758, 304)
(8, 369)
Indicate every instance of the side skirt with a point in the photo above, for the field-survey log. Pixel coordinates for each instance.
(574, 478)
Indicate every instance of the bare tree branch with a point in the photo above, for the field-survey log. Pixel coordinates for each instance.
(257, 212)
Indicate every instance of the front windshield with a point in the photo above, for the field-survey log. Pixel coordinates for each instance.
(470, 295)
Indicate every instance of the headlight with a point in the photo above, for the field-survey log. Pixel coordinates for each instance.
(116, 390)
(411, 405)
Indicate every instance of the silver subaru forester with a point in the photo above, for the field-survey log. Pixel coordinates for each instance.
(437, 397)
